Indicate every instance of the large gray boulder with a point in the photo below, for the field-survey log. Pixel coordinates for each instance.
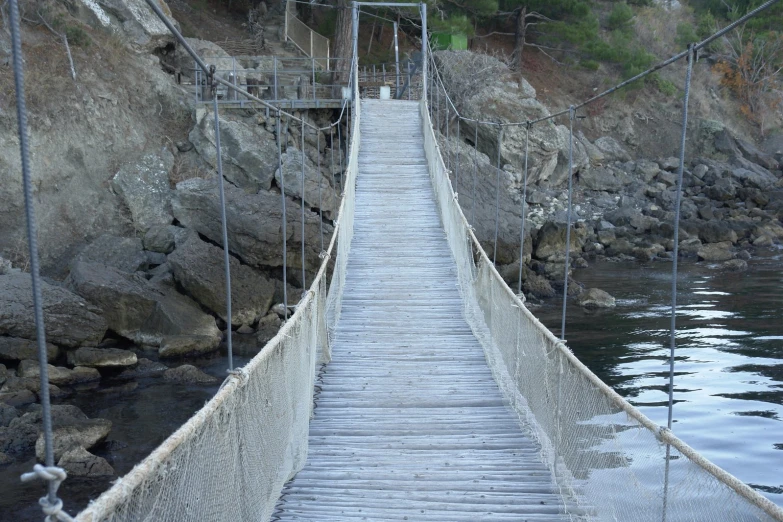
(611, 149)
(249, 152)
(74, 433)
(79, 462)
(188, 374)
(144, 188)
(551, 241)
(58, 375)
(596, 298)
(609, 179)
(198, 267)
(102, 357)
(17, 349)
(122, 253)
(132, 18)
(495, 94)
(254, 223)
(177, 315)
(69, 319)
(716, 252)
(327, 200)
(481, 211)
(125, 299)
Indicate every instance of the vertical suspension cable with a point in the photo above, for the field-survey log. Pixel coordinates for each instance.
(459, 147)
(448, 145)
(304, 274)
(673, 323)
(320, 199)
(475, 173)
(524, 210)
(284, 223)
(340, 152)
(497, 198)
(50, 503)
(571, 115)
(223, 225)
(331, 153)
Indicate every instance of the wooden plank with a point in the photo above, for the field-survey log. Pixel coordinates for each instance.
(409, 423)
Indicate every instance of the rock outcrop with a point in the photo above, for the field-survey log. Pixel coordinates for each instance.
(198, 268)
(70, 320)
(254, 223)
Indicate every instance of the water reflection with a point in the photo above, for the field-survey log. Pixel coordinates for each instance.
(729, 359)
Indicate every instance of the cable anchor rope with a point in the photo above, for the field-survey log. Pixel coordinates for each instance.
(53, 509)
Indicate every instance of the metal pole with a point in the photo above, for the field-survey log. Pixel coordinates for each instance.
(304, 274)
(355, 38)
(275, 81)
(225, 229)
(315, 97)
(524, 210)
(397, 60)
(383, 69)
(32, 240)
(234, 79)
(282, 198)
(497, 199)
(424, 64)
(571, 115)
(447, 117)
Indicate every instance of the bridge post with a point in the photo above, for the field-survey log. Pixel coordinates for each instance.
(397, 61)
(424, 49)
(355, 37)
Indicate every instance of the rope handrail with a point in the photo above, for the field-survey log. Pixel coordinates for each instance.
(663, 434)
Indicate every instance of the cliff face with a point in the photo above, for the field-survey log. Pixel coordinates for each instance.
(120, 106)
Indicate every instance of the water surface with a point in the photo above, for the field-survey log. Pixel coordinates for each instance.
(728, 384)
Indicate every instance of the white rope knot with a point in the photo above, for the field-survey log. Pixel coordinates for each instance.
(242, 375)
(53, 511)
(323, 254)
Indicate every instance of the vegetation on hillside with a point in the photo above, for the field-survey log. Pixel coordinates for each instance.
(619, 37)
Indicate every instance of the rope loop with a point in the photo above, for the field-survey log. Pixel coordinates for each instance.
(242, 375)
(56, 475)
(211, 80)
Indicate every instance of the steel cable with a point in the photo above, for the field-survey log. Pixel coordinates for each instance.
(524, 211)
(51, 500)
(304, 274)
(571, 117)
(224, 229)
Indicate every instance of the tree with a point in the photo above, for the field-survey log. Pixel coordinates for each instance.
(750, 66)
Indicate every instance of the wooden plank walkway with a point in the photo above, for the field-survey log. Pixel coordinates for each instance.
(409, 423)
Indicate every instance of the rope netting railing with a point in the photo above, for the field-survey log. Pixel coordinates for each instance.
(305, 39)
(607, 458)
(231, 459)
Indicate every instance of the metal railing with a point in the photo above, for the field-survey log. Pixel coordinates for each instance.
(308, 41)
(404, 82)
(278, 80)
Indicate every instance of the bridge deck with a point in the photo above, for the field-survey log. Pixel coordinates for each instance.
(409, 423)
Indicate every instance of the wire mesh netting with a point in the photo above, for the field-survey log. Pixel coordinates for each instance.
(608, 460)
(308, 41)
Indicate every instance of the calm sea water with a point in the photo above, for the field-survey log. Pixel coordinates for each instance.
(729, 361)
(728, 383)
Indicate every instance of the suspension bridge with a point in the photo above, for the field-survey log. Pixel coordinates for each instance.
(411, 383)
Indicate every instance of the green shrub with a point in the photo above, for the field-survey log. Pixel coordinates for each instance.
(621, 17)
(664, 86)
(590, 65)
(77, 36)
(686, 34)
